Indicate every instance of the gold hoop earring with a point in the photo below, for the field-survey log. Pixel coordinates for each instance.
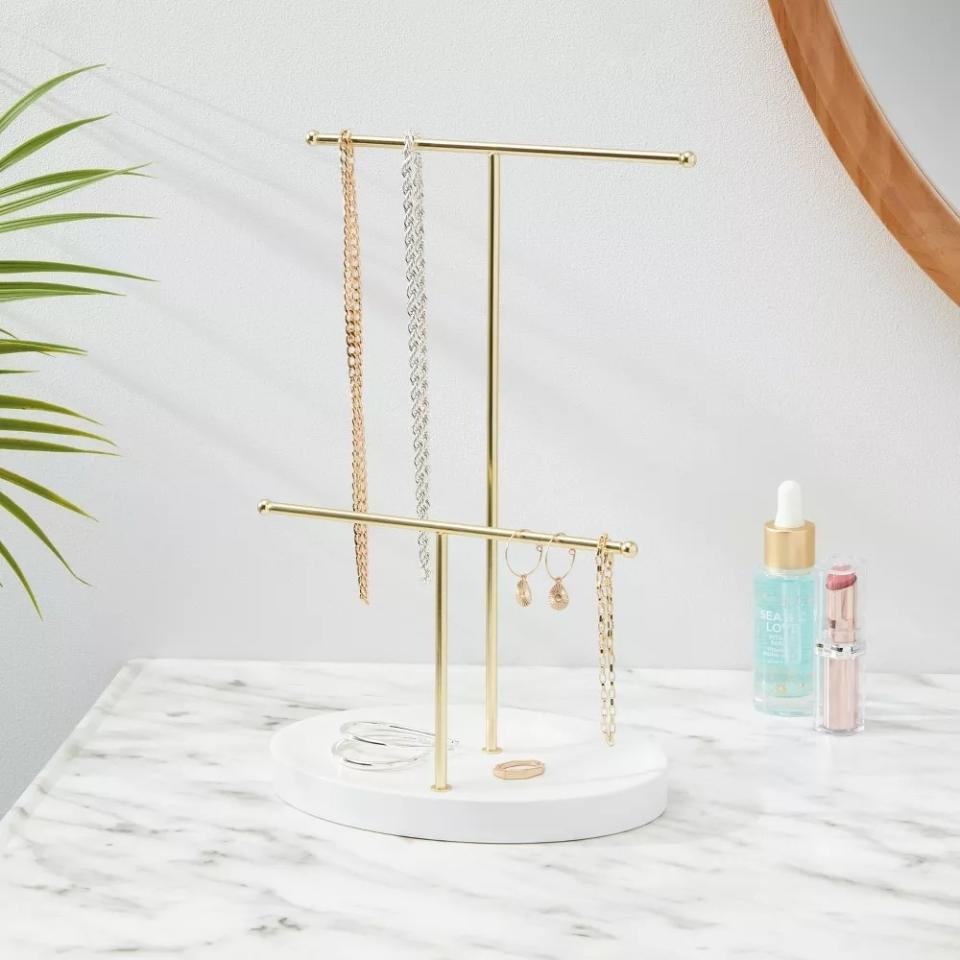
(523, 592)
(558, 596)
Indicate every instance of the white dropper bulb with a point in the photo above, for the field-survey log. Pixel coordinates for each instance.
(789, 506)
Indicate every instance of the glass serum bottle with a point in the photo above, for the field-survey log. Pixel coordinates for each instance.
(785, 611)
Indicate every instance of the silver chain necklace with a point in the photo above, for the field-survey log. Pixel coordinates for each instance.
(412, 171)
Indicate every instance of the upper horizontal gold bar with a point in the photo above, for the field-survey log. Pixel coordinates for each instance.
(683, 159)
(626, 547)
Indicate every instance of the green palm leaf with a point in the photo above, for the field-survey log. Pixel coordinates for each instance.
(52, 179)
(15, 510)
(36, 94)
(15, 567)
(28, 223)
(4, 372)
(33, 289)
(10, 477)
(38, 426)
(24, 403)
(41, 446)
(27, 434)
(35, 346)
(13, 206)
(46, 266)
(41, 140)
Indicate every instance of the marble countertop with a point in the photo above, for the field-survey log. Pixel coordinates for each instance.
(153, 832)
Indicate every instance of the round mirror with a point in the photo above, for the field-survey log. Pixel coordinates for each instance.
(883, 80)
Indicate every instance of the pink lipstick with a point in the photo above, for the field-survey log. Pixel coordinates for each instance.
(840, 650)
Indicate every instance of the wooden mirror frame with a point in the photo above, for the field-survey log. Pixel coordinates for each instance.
(923, 222)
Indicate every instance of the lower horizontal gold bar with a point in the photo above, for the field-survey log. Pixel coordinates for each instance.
(625, 547)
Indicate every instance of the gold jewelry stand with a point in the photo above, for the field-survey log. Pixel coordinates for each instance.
(442, 529)
(493, 152)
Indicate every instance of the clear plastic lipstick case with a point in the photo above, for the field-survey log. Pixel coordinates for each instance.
(840, 648)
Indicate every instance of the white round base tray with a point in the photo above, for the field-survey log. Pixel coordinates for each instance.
(587, 790)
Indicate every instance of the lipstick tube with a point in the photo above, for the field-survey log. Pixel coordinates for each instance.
(839, 651)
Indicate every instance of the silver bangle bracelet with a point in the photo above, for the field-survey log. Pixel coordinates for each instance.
(372, 745)
(353, 753)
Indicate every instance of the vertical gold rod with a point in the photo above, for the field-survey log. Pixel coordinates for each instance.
(440, 678)
(493, 447)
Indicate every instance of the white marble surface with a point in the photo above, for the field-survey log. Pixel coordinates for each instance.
(154, 833)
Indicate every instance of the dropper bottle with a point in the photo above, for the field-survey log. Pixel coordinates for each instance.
(785, 610)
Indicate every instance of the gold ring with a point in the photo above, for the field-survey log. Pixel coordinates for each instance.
(519, 769)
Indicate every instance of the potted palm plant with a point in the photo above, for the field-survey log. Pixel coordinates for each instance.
(28, 423)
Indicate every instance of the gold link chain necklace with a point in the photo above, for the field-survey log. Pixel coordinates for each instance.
(353, 314)
(608, 691)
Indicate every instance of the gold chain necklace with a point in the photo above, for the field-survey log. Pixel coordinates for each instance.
(608, 692)
(353, 315)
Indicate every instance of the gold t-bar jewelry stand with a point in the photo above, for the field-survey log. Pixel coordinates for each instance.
(443, 529)
(493, 152)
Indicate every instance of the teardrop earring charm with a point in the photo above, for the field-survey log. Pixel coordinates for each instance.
(524, 594)
(558, 596)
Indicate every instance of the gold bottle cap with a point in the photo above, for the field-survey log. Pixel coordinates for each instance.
(789, 548)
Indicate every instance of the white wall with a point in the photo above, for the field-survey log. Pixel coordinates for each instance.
(675, 342)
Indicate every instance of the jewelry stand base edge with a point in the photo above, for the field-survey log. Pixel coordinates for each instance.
(587, 790)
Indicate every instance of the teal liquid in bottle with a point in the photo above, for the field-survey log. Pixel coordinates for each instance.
(785, 611)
